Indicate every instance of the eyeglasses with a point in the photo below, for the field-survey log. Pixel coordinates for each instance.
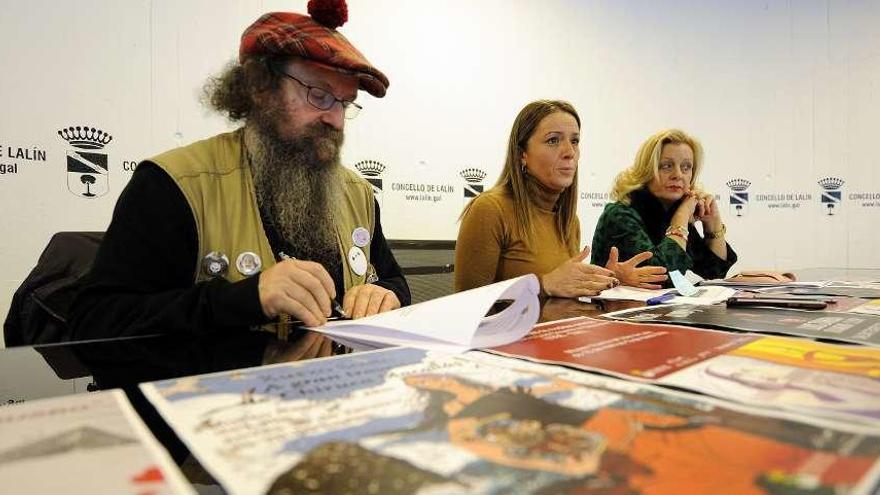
(324, 100)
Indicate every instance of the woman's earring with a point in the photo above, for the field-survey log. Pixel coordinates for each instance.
(523, 167)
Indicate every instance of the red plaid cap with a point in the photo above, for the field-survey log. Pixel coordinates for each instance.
(297, 35)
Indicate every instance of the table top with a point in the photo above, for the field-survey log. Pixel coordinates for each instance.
(75, 367)
(54, 370)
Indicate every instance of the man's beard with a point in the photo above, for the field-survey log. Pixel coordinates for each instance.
(297, 181)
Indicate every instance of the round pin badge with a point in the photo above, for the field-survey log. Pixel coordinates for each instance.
(360, 236)
(215, 264)
(248, 263)
(371, 275)
(357, 260)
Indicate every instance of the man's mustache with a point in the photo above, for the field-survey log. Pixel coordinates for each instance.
(320, 130)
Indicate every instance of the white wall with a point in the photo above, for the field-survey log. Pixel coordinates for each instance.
(782, 94)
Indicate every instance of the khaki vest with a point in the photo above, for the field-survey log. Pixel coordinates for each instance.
(218, 185)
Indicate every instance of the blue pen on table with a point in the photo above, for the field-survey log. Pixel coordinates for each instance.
(661, 298)
(335, 304)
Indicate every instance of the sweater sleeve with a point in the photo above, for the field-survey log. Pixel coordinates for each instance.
(141, 281)
(621, 226)
(706, 263)
(479, 245)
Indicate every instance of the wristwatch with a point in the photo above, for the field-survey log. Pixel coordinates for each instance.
(716, 234)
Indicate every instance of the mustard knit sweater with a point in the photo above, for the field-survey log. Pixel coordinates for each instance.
(489, 248)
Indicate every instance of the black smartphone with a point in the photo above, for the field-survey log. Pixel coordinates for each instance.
(776, 302)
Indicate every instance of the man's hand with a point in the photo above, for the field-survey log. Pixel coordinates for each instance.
(367, 300)
(575, 278)
(644, 277)
(302, 289)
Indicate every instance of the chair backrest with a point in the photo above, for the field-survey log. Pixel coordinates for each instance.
(427, 265)
(39, 308)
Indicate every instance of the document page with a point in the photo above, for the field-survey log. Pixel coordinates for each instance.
(703, 295)
(453, 323)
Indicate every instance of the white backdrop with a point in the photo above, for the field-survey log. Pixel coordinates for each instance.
(783, 94)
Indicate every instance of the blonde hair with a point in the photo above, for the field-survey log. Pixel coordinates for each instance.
(644, 168)
(514, 181)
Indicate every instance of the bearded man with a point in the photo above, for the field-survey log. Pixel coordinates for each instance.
(235, 230)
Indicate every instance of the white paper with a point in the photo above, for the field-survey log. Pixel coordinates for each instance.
(684, 286)
(703, 296)
(84, 443)
(627, 293)
(453, 323)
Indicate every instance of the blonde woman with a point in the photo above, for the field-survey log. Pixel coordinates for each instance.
(527, 222)
(657, 203)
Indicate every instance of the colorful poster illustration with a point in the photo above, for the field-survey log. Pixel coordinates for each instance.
(409, 421)
(836, 381)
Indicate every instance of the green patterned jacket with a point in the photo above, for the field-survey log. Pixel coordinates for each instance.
(641, 226)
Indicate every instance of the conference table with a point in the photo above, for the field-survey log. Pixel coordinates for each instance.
(38, 372)
(55, 370)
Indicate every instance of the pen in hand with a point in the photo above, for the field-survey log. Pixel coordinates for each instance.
(341, 312)
(334, 303)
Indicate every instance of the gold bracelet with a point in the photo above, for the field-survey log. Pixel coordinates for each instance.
(678, 231)
(715, 235)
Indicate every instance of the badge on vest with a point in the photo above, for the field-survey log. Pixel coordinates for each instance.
(248, 263)
(372, 276)
(215, 264)
(357, 261)
(360, 236)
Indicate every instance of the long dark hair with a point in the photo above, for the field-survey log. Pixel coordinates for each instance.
(513, 179)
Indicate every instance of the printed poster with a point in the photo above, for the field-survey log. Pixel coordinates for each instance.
(83, 443)
(844, 327)
(835, 381)
(865, 290)
(871, 307)
(409, 421)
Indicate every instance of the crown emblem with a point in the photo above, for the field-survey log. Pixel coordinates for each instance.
(738, 184)
(831, 183)
(473, 175)
(370, 168)
(86, 138)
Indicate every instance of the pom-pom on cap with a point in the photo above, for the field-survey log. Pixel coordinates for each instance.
(313, 38)
(331, 13)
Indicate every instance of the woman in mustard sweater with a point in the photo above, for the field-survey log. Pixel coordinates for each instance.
(527, 222)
